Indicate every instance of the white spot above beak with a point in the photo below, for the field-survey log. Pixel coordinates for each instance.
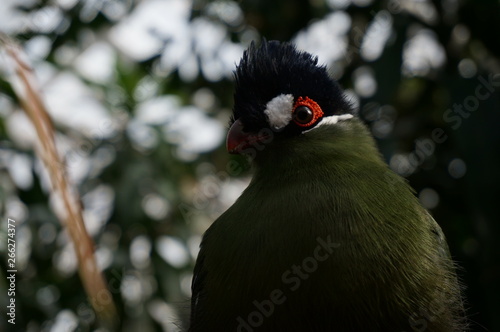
(279, 111)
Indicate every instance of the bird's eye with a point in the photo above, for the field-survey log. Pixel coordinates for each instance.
(303, 115)
(306, 112)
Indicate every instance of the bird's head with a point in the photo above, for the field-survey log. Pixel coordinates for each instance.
(281, 92)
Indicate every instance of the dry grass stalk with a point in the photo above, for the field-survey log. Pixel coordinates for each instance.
(30, 100)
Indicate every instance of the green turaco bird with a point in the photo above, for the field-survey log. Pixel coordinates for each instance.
(326, 237)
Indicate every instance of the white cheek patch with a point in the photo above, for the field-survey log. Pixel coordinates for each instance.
(279, 111)
(331, 120)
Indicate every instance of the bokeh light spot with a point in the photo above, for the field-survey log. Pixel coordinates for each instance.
(457, 168)
(429, 198)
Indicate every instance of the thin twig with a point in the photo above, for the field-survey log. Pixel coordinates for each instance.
(31, 101)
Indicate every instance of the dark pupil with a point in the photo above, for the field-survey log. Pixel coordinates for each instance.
(303, 114)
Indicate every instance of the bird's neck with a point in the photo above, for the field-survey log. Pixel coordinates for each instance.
(328, 151)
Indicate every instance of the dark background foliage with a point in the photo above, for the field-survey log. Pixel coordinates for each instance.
(150, 182)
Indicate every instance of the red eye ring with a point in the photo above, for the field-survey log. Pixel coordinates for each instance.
(317, 113)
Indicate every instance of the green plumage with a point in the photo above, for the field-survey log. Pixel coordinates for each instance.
(391, 270)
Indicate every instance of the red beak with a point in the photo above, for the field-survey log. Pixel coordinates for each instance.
(239, 140)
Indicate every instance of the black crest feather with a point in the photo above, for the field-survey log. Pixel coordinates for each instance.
(275, 68)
